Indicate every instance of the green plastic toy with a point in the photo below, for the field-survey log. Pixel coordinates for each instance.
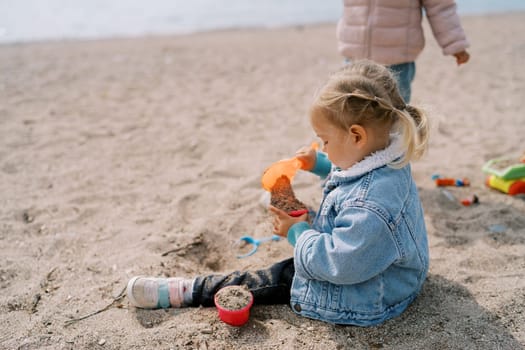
(506, 175)
(505, 168)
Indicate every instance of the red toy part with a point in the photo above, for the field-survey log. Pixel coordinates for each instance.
(446, 181)
(237, 317)
(517, 187)
(469, 201)
(297, 213)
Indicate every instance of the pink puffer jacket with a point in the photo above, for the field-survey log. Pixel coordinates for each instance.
(390, 31)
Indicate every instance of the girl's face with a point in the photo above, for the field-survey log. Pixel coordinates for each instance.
(340, 146)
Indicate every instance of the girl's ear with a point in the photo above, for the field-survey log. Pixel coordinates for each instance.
(358, 135)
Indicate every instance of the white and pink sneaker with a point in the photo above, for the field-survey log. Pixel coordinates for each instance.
(155, 293)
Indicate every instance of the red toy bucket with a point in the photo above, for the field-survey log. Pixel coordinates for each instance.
(237, 317)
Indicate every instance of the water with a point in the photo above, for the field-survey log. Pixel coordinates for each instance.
(33, 20)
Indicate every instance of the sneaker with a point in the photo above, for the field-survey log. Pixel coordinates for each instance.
(154, 293)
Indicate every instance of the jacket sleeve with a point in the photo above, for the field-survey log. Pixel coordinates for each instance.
(322, 166)
(446, 25)
(360, 247)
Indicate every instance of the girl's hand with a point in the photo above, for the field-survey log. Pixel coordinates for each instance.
(307, 156)
(282, 221)
(462, 57)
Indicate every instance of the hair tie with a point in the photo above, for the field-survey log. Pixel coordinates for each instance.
(379, 100)
(384, 103)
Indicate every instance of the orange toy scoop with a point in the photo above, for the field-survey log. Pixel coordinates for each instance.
(286, 167)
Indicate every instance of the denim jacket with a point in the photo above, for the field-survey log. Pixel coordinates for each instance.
(365, 257)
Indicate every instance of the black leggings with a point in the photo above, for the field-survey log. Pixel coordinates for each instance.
(268, 286)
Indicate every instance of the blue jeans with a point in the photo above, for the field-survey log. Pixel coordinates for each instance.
(405, 73)
(268, 286)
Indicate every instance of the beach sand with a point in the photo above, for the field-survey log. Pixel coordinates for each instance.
(144, 157)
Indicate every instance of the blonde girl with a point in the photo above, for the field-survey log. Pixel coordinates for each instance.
(364, 258)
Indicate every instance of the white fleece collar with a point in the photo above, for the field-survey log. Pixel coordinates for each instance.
(375, 160)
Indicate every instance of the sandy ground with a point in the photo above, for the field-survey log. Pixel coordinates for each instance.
(144, 156)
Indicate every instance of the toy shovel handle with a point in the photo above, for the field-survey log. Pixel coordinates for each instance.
(251, 241)
(255, 244)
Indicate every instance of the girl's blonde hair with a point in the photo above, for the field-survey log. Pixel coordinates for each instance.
(366, 93)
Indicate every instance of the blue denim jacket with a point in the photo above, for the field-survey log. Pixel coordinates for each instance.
(365, 257)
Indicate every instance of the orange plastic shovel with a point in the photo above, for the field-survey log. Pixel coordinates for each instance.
(287, 167)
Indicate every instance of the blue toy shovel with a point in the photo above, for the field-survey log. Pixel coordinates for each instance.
(255, 243)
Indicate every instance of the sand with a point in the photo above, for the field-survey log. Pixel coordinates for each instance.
(144, 156)
(233, 297)
(282, 196)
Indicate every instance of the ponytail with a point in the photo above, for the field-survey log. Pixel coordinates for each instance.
(414, 129)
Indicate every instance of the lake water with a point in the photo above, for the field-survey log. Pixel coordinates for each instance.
(30, 20)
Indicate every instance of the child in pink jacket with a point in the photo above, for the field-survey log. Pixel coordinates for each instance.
(389, 32)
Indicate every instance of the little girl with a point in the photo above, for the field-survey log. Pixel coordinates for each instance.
(365, 256)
